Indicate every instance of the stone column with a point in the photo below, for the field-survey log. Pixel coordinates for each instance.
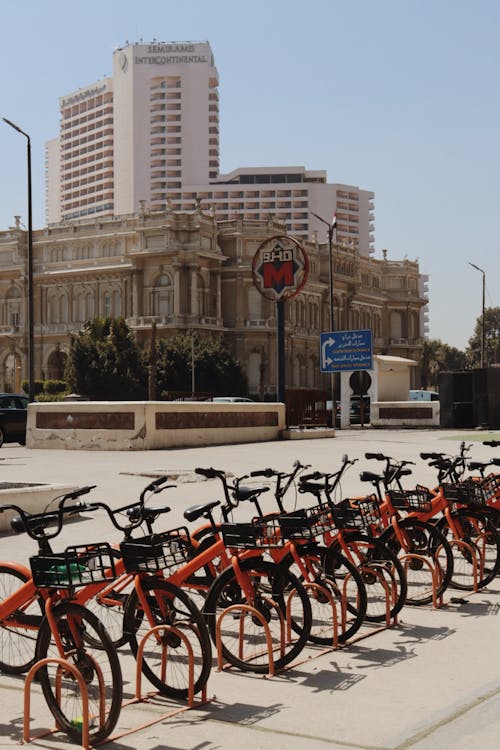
(195, 312)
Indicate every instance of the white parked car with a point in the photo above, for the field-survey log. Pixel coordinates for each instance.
(230, 399)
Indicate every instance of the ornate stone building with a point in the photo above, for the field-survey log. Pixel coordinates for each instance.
(186, 271)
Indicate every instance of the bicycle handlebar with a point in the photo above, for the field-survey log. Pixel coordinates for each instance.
(35, 524)
(268, 473)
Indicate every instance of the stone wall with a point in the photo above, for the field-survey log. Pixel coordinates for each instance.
(149, 425)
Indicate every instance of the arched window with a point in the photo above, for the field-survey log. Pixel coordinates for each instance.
(253, 372)
(106, 307)
(163, 296)
(89, 306)
(203, 307)
(63, 309)
(56, 364)
(53, 310)
(13, 307)
(117, 304)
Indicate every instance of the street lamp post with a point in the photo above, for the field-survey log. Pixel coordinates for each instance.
(483, 353)
(31, 348)
(331, 228)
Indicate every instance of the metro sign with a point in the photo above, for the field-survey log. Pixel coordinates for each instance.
(280, 268)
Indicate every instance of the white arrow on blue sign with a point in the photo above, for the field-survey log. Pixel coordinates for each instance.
(346, 350)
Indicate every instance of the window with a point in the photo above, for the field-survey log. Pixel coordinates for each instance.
(107, 305)
(163, 296)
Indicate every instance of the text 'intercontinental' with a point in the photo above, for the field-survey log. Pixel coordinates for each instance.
(169, 59)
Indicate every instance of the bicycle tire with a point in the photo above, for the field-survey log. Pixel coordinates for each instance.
(270, 581)
(170, 605)
(109, 606)
(339, 578)
(478, 530)
(17, 643)
(381, 571)
(72, 618)
(425, 540)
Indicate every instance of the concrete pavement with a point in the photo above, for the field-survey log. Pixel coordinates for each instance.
(432, 681)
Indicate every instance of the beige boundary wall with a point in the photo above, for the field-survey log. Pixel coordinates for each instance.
(404, 413)
(150, 425)
(31, 497)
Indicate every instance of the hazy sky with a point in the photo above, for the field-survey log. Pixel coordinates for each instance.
(396, 96)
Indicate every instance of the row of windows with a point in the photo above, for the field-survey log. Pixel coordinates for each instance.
(88, 211)
(91, 148)
(86, 106)
(83, 307)
(94, 125)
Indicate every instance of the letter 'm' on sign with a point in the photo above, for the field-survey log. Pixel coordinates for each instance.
(278, 275)
(280, 268)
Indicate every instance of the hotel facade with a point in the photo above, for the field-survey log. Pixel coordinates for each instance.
(149, 135)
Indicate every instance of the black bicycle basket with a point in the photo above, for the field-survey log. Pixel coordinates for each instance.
(307, 523)
(155, 552)
(491, 486)
(419, 499)
(78, 565)
(359, 513)
(469, 492)
(260, 533)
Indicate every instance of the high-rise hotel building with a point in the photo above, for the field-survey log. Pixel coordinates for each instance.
(148, 137)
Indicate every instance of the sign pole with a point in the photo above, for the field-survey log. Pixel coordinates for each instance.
(332, 227)
(280, 268)
(332, 321)
(280, 316)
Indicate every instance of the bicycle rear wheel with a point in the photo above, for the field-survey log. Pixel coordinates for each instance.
(476, 556)
(166, 656)
(243, 634)
(78, 628)
(18, 633)
(427, 557)
(381, 571)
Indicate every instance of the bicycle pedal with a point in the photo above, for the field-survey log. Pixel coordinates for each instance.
(458, 600)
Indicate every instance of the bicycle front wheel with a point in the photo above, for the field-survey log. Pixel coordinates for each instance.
(166, 654)
(276, 595)
(88, 647)
(109, 604)
(18, 633)
(476, 549)
(336, 583)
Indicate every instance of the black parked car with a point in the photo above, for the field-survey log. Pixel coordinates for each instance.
(13, 415)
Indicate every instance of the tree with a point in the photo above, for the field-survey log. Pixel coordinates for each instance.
(491, 339)
(105, 363)
(215, 369)
(438, 357)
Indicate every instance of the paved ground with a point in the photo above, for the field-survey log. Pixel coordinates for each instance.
(433, 681)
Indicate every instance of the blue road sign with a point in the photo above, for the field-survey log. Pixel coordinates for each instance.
(346, 350)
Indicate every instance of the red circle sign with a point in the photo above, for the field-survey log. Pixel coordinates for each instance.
(280, 268)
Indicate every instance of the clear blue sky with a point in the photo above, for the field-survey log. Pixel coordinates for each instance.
(396, 96)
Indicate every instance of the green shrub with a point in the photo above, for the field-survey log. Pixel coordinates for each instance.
(38, 386)
(55, 386)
